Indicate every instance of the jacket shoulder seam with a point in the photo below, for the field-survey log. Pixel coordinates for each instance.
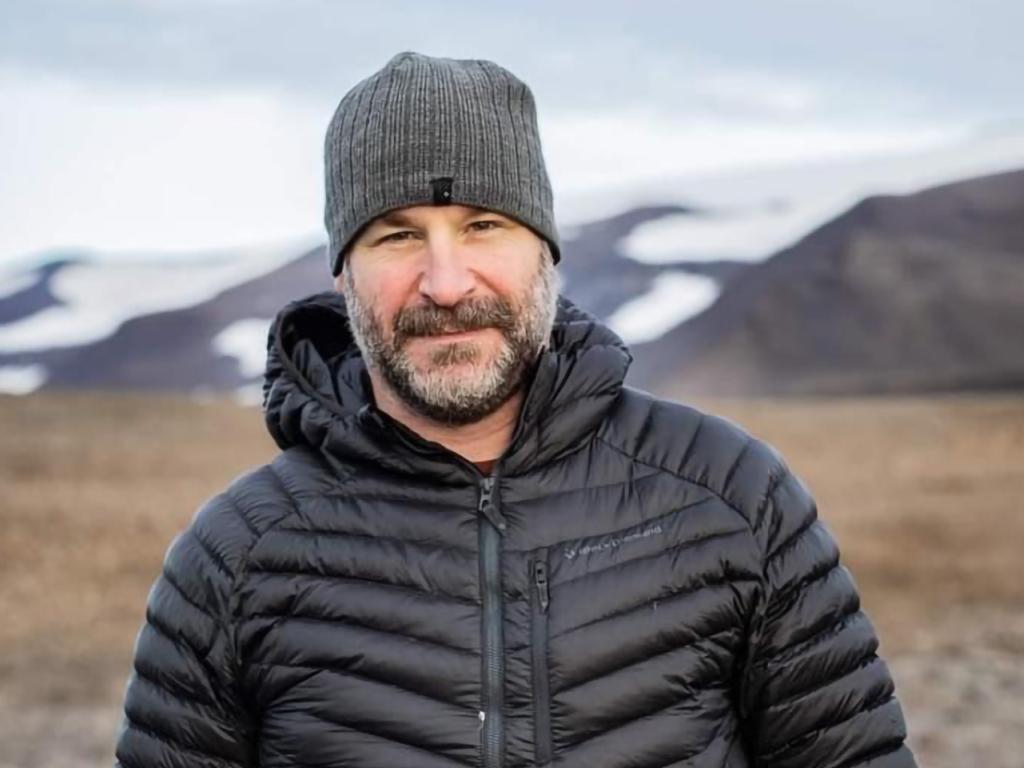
(258, 535)
(243, 567)
(692, 481)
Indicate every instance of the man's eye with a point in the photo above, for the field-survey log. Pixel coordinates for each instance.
(397, 236)
(484, 224)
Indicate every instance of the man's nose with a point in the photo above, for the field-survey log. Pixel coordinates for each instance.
(446, 278)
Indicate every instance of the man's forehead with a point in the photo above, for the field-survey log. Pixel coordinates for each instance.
(418, 214)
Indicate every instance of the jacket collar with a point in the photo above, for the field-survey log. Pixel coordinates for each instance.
(316, 392)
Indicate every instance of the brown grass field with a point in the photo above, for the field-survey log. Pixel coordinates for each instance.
(924, 495)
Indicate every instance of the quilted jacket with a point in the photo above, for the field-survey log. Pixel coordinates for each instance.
(638, 584)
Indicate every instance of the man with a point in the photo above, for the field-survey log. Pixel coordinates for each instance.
(477, 547)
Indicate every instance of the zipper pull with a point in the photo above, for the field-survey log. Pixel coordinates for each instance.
(540, 579)
(486, 505)
(486, 491)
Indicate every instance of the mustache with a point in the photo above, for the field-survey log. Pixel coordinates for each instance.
(468, 315)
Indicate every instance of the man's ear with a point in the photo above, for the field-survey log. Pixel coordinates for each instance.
(343, 267)
(339, 281)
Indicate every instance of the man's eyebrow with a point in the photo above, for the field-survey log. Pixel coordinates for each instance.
(396, 219)
(399, 219)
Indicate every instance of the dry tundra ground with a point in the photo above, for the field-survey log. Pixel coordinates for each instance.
(924, 495)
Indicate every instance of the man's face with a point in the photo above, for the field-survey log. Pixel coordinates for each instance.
(450, 305)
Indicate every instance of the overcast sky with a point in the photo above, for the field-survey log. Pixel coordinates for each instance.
(161, 125)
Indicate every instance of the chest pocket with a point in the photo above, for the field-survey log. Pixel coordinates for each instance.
(540, 601)
(635, 634)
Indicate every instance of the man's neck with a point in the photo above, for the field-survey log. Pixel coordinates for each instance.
(480, 441)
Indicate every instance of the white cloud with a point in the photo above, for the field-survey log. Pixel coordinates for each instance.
(609, 149)
(759, 91)
(123, 167)
(133, 167)
(754, 212)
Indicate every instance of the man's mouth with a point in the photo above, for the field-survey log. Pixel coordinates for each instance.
(454, 334)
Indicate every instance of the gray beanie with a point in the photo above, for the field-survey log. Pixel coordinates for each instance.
(426, 130)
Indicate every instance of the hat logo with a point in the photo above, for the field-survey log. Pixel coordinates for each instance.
(442, 190)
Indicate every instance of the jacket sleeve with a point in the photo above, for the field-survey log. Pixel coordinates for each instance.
(182, 706)
(815, 693)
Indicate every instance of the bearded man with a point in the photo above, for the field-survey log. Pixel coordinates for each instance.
(477, 546)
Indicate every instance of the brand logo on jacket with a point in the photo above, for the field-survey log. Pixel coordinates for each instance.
(613, 542)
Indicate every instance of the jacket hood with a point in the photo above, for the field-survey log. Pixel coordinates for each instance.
(316, 392)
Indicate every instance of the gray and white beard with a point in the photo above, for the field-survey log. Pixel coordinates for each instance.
(438, 392)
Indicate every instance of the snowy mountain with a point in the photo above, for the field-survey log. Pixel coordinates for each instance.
(920, 292)
(201, 325)
(746, 283)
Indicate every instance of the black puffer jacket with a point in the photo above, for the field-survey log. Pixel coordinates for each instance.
(638, 585)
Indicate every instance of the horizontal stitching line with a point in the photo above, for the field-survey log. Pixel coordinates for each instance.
(351, 534)
(349, 495)
(216, 559)
(679, 593)
(627, 665)
(630, 721)
(187, 598)
(774, 481)
(382, 737)
(180, 643)
(795, 590)
(360, 625)
(338, 670)
(180, 698)
(736, 464)
(791, 539)
(164, 738)
(684, 761)
(861, 664)
(811, 736)
(237, 509)
(291, 496)
(365, 580)
(564, 491)
(791, 652)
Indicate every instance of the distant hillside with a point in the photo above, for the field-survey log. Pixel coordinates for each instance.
(908, 293)
(211, 333)
(911, 293)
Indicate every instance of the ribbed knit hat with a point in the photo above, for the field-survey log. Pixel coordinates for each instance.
(426, 130)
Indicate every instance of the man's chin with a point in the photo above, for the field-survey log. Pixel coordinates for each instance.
(465, 407)
(450, 374)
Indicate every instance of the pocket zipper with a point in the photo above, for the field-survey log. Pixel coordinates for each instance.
(541, 599)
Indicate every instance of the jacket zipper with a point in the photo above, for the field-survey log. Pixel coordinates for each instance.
(491, 525)
(539, 646)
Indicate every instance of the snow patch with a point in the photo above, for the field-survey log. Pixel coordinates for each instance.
(745, 234)
(21, 379)
(754, 212)
(246, 341)
(97, 297)
(673, 298)
(11, 283)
